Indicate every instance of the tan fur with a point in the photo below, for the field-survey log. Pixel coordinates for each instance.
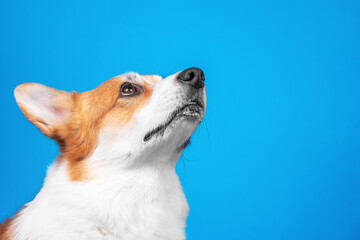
(7, 227)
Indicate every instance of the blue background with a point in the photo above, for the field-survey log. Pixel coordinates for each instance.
(278, 155)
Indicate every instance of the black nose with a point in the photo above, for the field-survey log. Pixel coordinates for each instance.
(192, 76)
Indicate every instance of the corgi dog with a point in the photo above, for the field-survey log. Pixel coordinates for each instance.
(119, 143)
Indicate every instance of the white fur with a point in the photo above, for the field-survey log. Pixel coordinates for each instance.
(133, 192)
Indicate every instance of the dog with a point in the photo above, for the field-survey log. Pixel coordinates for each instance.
(119, 143)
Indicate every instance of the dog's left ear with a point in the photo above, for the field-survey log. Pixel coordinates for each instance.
(45, 107)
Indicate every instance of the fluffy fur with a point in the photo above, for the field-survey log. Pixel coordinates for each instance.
(109, 181)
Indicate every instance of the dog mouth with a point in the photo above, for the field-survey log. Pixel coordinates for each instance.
(190, 110)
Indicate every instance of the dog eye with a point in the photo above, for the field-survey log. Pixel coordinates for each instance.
(128, 89)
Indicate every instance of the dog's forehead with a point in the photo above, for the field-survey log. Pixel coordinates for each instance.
(135, 77)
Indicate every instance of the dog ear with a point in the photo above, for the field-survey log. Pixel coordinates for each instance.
(45, 107)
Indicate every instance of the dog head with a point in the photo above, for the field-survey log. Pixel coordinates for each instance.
(128, 121)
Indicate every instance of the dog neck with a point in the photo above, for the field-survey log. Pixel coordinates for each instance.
(137, 202)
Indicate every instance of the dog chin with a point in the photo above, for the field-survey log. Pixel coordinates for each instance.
(182, 121)
(176, 136)
(179, 132)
